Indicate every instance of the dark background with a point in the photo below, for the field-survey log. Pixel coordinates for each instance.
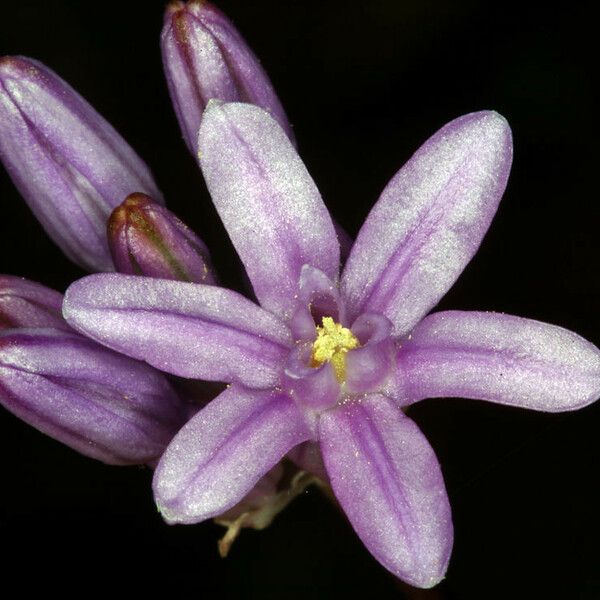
(364, 83)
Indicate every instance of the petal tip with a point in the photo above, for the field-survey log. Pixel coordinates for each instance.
(488, 122)
(213, 104)
(12, 65)
(429, 566)
(488, 136)
(70, 293)
(424, 581)
(19, 69)
(168, 504)
(75, 295)
(497, 124)
(173, 7)
(211, 111)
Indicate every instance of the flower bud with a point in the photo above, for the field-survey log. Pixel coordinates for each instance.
(27, 304)
(147, 239)
(98, 402)
(69, 164)
(205, 57)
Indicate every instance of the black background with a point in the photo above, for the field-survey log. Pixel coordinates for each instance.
(364, 84)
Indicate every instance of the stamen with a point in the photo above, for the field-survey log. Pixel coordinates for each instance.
(332, 343)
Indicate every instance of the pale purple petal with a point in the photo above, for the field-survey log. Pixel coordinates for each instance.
(429, 221)
(317, 297)
(205, 57)
(69, 164)
(218, 456)
(267, 200)
(388, 481)
(370, 366)
(313, 388)
(99, 403)
(187, 329)
(500, 358)
(24, 303)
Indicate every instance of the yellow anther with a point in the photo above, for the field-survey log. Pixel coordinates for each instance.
(332, 343)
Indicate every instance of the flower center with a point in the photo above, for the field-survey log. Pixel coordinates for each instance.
(332, 343)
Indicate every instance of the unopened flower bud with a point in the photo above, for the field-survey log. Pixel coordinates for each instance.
(98, 402)
(27, 304)
(69, 164)
(147, 239)
(205, 57)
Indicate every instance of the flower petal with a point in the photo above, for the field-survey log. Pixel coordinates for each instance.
(317, 297)
(429, 221)
(188, 329)
(314, 389)
(96, 401)
(69, 164)
(388, 481)
(219, 455)
(371, 364)
(500, 358)
(267, 201)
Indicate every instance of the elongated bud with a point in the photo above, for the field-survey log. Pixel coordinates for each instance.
(27, 304)
(94, 400)
(147, 239)
(205, 57)
(69, 164)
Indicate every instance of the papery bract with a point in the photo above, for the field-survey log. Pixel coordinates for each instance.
(271, 494)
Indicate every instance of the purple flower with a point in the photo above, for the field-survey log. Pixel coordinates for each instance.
(98, 402)
(335, 361)
(205, 57)
(69, 164)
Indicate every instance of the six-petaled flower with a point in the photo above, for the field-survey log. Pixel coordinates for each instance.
(332, 359)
